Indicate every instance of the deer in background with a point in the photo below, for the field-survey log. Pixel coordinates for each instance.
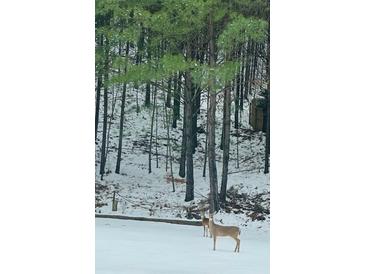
(222, 231)
(176, 180)
(205, 223)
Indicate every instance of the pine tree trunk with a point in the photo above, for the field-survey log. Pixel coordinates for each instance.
(97, 107)
(147, 99)
(241, 77)
(176, 108)
(151, 135)
(189, 195)
(214, 204)
(195, 110)
(236, 100)
(183, 145)
(226, 140)
(168, 149)
(267, 139)
(167, 126)
(98, 93)
(168, 99)
(121, 123)
(206, 141)
(222, 133)
(111, 117)
(156, 135)
(247, 70)
(267, 144)
(105, 115)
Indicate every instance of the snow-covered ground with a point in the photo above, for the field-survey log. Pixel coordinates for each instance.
(146, 247)
(148, 194)
(135, 247)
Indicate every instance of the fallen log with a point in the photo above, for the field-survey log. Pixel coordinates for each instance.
(170, 221)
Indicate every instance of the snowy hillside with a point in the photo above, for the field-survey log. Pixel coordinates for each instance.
(143, 194)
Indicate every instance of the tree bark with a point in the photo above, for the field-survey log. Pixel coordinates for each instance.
(241, 77)
(97, 107)
(214, 204)
(121, 123)
(105, 115)
(168, 149)
(156, 135)
(98, 93)
(195, 91)
(189, 194)
(247, 70)
(147, 99)
(176, 108)
(151, 135)
(168, 99)
(206, 141)
(267, 144)
(183, 146)
(226, 144)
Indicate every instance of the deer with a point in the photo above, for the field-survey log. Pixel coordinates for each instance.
(205, 223)
(222, 231)
(176, 180)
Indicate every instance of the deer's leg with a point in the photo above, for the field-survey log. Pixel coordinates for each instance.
(238, 244)
(237, 241)
(214, 240)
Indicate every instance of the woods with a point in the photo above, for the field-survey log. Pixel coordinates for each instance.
(195, 65)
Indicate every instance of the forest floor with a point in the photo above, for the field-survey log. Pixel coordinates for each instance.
(149, 194)
(135, 247)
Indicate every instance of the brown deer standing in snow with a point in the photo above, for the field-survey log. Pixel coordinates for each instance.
(176, 180)
(205, 223)
(222, 231)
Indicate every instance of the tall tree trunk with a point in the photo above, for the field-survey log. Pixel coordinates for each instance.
(151, 135)
(195, 110)
(226, 140)
(167, 126)
(247, 70)
(267, 144)
(237, 97)
(105, 115)
(214, 203)
(156, 135)
(183, 145)
(99, 84)
(97, 107)
(189, 194)
(177, 90)
(168, 149)
(147, 100)
(111, 118)
(206, 140)
(168, 99)
(241, 76)
(121, 123)
(267, 139)
(197, 100)
(222, 133)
